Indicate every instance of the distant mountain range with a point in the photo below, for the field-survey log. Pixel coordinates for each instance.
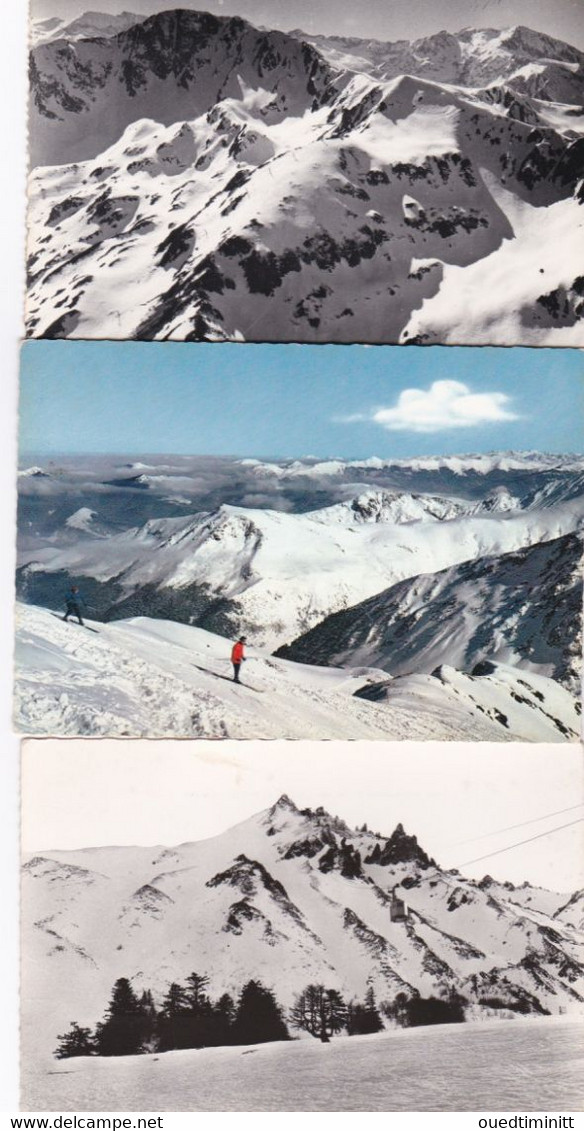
(230, 183)
(277, 574)
(89, 25)
(289, 896)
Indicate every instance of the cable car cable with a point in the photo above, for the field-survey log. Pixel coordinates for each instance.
(509, 828)
(538, 836)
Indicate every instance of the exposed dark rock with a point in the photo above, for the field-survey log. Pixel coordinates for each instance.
(400, 849)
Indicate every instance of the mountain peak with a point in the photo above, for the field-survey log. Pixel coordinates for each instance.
(400, 849)
(283, 802)
(404, 847)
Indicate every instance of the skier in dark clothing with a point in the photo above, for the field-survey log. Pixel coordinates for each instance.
(238, 657)
(74, 601)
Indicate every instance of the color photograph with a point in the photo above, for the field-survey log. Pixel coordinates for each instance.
(224, 541)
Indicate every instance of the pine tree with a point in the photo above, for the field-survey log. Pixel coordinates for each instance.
(150, 1021)
(76, 1042)
(320, 1012)
(259, 1018)
(200, 1024)
(175, 1000)
(195, 992)
(173, 1019)
(224, 1019)
(124, 1028)
(372, 1015)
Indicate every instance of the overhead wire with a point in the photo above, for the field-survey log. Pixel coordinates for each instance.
(528, 840)
(520, 825)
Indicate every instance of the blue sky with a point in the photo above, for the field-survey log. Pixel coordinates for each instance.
(290, 400)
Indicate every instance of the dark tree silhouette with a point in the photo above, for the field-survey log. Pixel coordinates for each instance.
(259, 1018)
(398, 1010)
(435, 1011)
(125, 1027)
(415, 1010)
(173, 1020)
(76, 1042)
(319, 1011)
(196, 992)
(175, 1000)
(150, 1021)
(363, 1017)
(201, 1026)
(224, 1019)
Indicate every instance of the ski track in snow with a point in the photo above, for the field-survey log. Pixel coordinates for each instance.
(130, 681)
(143, 678)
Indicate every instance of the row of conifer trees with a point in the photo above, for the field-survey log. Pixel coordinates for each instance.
(188, 1018)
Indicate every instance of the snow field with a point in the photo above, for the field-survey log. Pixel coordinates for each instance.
(530, 1065)
(495, 299)
(144, 677)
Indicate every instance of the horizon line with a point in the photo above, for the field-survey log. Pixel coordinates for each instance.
(301, 458)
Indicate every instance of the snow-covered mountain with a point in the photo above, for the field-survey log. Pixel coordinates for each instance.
(33, 473)
(491, 60)
(276, 575)
(90, 25)
(229, 183)
(156, 678)
(168, 67)
(484, 464)
(288, 896)
(523, 608)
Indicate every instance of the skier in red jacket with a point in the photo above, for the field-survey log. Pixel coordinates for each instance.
(237, 657)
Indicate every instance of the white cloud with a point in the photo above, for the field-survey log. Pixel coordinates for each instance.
(446, 404)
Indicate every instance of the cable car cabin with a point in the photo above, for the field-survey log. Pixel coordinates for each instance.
(398, 910)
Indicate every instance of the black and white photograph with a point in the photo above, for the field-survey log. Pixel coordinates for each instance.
(402, 172)
(225, 541)
(283, 927)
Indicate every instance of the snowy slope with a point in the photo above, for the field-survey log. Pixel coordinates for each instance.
(288, 896)
(392, 506)
(157, 678)
(521, 292)
(241, 186)
(275, 574)
(522, 608)
(532, 707)
(533, 1064)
